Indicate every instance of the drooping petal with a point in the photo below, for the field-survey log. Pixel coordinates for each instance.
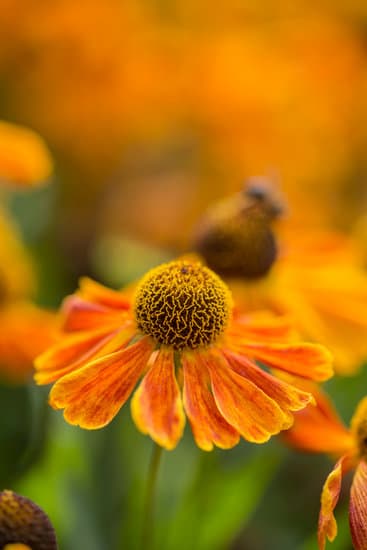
(358, 507)
(288, 397)
(311, 361)
(93, 394)
(319, 428)
(245, 406)
(330, 495)
(156, 405)
(95, 292)
(208, 425)
(81, 315)
(70, 352)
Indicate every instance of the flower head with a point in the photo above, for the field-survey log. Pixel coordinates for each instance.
(23, 525)
(316, 278)
(319, 429)
(235, 236)
(195, 358)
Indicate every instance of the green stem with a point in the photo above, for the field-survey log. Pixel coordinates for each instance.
(147, 529)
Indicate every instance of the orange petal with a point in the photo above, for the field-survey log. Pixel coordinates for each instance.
(156, 405)
(319, 428)
(245, 406)
(329, 498)
(93, 394)
(262, 326)
(208, 425)
(83, 315)
(95, 292)
(288, 397)
(70, 352)
(358, 508)
(311, 361)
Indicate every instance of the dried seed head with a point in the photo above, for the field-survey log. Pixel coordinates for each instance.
(235, 238)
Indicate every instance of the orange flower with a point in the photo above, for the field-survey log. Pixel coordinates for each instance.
(178, 333)
(24, 158)
(319, 429)
(26, 331)
(320, 283)
(316, 278)
(23, 525)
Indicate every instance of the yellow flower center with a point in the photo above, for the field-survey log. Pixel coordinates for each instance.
(359, 428)
(237, 240)
(182, 304)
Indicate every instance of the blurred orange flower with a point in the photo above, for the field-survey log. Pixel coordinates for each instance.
(24, 158)
(195, 358)
(278, 91)
(27, 331)
(319, 429)
(317, 277)
(318, 280)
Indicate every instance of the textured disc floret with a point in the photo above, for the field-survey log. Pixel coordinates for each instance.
(182, 304)
(23, 525)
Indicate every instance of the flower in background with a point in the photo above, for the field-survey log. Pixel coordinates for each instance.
(17, 276)
(177, 332)
(24, 157)
(26, 331)
(319, 429)
(316, 278)
(23, 525)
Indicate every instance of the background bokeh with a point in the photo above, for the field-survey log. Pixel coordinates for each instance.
(153, 110)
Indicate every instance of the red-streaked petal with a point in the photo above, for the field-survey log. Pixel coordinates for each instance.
(70, 352)
(358, 508)
(82, 315)
(93, 394)
(95, 292)
(327, 527)
(288, 397)
(245, 406)
(156, 405)
(311, 361)
(208, 425)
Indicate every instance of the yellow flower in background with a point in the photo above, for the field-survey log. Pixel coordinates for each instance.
(195, 359)
(23, 525)
(17, 276)
(316, 278)
(319, 429)
(24, 158)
